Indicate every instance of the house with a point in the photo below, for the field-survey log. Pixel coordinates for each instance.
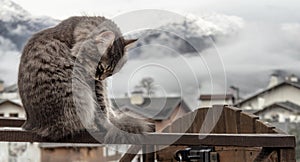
(57, 152)
(207, 100)
(162, 110)
(280, 112)
(287, 89)
(1, 86)
(278, 103)
(9, 92)
(11, 108)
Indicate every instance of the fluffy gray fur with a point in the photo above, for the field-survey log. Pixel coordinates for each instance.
(62, 80)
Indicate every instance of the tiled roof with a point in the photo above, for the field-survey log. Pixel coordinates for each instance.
(290, 106)
(294, 84)
(158, 108)
(16, 102)
(11, 88)
(216, 96)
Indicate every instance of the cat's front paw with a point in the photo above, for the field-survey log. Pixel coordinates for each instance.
(117, 136)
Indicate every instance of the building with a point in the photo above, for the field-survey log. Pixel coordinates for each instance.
(11, 108)
(277, 91)
(162, 110)
(278, 103)
(1, 86)
(57, 152)
(280, 112)
(10, 92)
(207, 100)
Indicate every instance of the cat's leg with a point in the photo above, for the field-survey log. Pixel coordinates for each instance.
(127, 127)
(102, 106)
(120, 126)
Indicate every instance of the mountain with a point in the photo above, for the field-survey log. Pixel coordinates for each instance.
(192, 35)
(17, 25)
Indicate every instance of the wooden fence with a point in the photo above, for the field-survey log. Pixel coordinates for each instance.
(236, 136)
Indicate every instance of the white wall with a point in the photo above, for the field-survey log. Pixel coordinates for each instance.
(8, 107)
(6, 95)
(209, 103)
(280, 94)
(19, 152)
(282, 113)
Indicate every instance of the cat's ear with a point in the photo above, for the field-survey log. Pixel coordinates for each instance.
(129, 43)
(105, 40)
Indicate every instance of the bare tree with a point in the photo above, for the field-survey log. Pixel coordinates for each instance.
(147, 84)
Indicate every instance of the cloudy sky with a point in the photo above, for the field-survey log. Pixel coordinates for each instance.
(258, 10)
(268, 41)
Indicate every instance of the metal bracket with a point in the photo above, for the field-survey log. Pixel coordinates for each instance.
(200, 154)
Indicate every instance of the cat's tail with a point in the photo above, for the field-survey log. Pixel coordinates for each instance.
(127, 128)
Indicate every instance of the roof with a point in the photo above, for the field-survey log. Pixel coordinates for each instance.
(11, 88)
(56, 145)
(287, 105)
(216, 96)
(157, 108)
(294, 84)
(15, 102)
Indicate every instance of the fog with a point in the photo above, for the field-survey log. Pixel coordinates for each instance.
(245, 60)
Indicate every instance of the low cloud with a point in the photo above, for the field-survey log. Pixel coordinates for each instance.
(249, 59)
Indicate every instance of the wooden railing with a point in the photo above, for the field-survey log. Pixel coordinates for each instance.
(247, 132)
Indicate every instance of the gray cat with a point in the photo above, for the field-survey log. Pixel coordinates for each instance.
(62, 79)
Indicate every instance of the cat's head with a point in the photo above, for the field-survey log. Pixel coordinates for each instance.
(113, 54)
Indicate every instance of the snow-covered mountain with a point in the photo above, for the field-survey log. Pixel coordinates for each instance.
(192, 35)
(17, 24)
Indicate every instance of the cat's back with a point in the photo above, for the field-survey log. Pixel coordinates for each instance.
(46, 57)
(63, 32)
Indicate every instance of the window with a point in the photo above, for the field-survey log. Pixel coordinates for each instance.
(13, 115)
(288, 120)
(275, 118)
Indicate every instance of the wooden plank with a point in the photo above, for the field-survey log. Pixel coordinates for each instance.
(218, 116)
(167, 129)
(193, 118)
(198, 123)
(247, 140)
(232, 119)
(264, 154)
(213, 120)
(11, 122)
(10, 135)
(188, 121)
(131, 153)
(279, 131)
(175, 126)
(271, 128)
(287, 155)
(261, 127)
(167, 154)
(236, 154)
(247, 122)
(148, 153)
